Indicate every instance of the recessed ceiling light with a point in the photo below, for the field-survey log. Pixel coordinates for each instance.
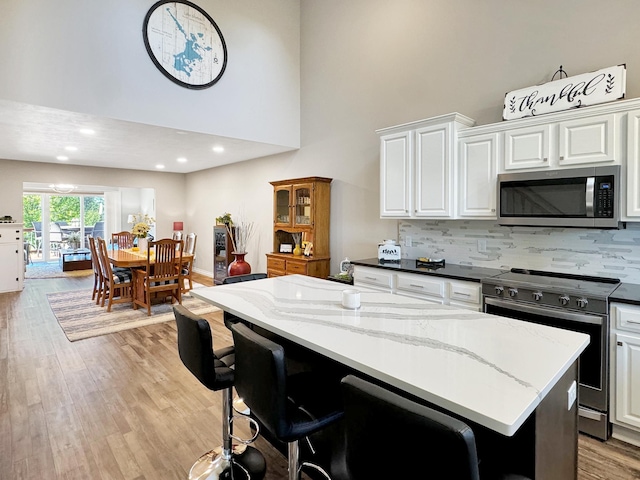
(71, 149)
(87, 131)
(159, 166)
(62, 158)
(218, 149)
(181, 160)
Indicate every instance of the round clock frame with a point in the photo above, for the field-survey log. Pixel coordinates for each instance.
(201, 49)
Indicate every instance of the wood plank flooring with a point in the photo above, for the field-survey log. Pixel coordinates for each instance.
(122, 406)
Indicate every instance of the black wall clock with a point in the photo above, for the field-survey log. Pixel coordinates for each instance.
(185, 43)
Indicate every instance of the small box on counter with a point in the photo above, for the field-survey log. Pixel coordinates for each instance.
(389, 252)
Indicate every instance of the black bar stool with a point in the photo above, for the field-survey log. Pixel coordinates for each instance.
(291, 408)
(441, 446)
(215, 371)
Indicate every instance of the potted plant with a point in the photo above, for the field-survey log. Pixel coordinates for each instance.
(224, 219)
(73, 240)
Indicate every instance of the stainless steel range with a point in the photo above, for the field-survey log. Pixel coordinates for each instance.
(572, 302)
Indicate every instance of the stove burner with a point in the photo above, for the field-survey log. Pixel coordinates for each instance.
(552, 289)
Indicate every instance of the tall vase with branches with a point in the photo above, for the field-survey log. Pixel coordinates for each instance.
(240, 237)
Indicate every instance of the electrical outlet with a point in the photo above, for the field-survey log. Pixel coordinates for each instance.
(407, 241)
(482, 245)
(571, 395)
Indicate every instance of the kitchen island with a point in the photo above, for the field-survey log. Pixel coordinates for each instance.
(505, 377)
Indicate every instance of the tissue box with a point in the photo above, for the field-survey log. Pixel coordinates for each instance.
(389, 253)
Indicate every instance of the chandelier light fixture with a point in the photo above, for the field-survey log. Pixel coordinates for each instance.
(62, 187)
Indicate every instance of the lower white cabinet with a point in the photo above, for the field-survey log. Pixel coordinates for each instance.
(458, 293)
(11, 258)
(625, 371)
(371, 277)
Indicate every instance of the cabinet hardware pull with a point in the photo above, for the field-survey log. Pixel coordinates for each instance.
(619, 344)
(371, 278)
(631, 321)
(544, 159)
(417, 286)
(462, 293)
(562, 158)
(493, 209)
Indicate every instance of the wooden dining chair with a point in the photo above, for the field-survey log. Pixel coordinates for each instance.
(187, 267)
(122, 239)
(97, 271)
(117, 284)
(162, 275)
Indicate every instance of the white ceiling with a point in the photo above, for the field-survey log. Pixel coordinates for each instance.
(40, 134)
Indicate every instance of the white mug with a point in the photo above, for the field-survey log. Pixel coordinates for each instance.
(351, 299)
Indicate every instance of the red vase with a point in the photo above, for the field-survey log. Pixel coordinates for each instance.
(239, 266)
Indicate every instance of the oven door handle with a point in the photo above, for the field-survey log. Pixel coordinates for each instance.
(519, 307)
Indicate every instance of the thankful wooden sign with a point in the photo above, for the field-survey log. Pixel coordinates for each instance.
(602, 86)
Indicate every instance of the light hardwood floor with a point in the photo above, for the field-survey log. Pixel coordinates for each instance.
(122, 406)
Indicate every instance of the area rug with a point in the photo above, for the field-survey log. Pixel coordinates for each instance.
(52, 270)
(79, 316)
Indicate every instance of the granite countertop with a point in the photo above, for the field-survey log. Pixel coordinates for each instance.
(459, 272)
(626, 293)
(492, 370)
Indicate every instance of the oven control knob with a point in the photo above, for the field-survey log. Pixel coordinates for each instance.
(564, 299)
(582, 302)
(499, 290)
(513, 292)
(537, 296)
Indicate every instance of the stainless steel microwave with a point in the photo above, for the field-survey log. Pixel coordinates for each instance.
(579, 197)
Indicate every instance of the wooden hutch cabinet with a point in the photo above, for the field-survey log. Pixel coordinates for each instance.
(301, 206)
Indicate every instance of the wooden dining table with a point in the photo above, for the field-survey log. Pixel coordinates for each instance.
(127, 257)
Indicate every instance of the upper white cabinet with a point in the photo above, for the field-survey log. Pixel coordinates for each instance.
(587, 140)
(477, 187)
(527, 147)
(396, 153)
(633, 164)
(443, 167)
(417, 167)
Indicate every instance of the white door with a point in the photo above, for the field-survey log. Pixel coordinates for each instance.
(628, 379)
(587, 140)
(395, 175)
(477, 182)
(527, 147)
(433, 174)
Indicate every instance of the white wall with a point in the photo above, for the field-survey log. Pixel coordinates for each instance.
(89, 57)
(369, 64)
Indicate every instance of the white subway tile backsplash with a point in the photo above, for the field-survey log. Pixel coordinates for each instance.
(610, 253)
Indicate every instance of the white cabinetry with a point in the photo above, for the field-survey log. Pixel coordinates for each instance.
(477, 188)
(371, 277)
(625, 372)
(587, 140)
(11, 257)
(417, 168)
(458, 293)
(527, 147)
(633, 164)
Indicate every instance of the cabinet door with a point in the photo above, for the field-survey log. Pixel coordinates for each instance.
(633, 164)
(282, 199)
(11, 274)
(628, 379)
(302, 211)
(433, 176)
(477, 181)
(587, 140)
(395, 175)
(527, 147)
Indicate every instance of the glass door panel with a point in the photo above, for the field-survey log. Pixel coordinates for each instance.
(92, 218)
(32, 218)
(283, 206)
(302, 206)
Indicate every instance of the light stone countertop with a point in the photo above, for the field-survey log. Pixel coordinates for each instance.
(491, 370)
